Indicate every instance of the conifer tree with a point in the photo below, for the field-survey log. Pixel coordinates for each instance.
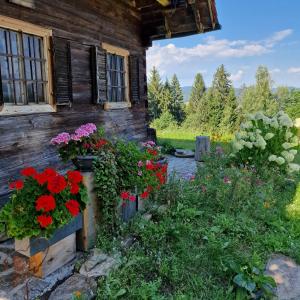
(155, 89)
(176, 107)
(221, 97)
(197, 93)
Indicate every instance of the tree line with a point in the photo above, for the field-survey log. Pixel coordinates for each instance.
(216, 109)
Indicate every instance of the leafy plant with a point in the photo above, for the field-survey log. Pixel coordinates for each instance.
(42, 202)
(253, 282)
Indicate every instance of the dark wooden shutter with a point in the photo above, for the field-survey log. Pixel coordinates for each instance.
(98, 68)
(63, 91)
(134, 67)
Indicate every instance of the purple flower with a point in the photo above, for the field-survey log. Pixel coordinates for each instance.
(140, 173)
(140, 164)
(75, 137)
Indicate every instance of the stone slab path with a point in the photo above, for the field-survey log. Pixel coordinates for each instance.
(183, 168)
(286, 274)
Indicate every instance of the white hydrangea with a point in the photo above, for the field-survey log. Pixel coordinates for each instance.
(285, 120)
(251, 117)
(260, 142)
(289, 157)
(295, 140)
(293, 151)
(249, 145)
(237, 146)
(246, 125)
(258, 131)
(287, 146)
(294, 167)
(259, 116)
(288, 135)
(274, 123)
(280, 160)
(272, 157)
(267, 120)
(269, 135)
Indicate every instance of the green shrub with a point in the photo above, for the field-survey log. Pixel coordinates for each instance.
(264, 141)
(166, 120)
(214, 239)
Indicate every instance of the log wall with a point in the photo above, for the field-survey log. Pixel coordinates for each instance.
(24, 139)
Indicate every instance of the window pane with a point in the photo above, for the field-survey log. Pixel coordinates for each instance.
(4, 68)
(17, 87)
(30, 93)
(16, 63)
(7, 92)
(28, 73)
(2, 41)
(37, 47)
(40, 93)
(26, 45)
(39, 75)
(14, 43)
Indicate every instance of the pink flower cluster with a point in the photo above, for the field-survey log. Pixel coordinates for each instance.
(149, 144)
(83, 131)
(62, 138)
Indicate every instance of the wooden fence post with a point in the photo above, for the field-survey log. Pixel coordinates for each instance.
(202, 147)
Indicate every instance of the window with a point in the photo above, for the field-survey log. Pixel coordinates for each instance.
(117, 74)
(116, 88)
(24, 59)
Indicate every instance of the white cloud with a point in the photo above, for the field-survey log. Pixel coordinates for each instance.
(170, 57)
(278, 36)
(294, 70)
(274, 71)
(237, 76)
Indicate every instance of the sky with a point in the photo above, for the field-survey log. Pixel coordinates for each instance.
(254, 32)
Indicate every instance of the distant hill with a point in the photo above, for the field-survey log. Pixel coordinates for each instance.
(188, 89)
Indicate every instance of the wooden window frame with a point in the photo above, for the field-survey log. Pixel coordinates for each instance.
(45, 34)
(125, 53)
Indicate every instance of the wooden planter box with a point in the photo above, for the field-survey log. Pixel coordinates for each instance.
(47, 255)
(128, 210)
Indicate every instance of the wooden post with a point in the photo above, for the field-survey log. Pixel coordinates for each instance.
(86, 238)
(151, 134)
(202, 147)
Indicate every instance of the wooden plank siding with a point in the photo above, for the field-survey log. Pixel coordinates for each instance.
(24, 139)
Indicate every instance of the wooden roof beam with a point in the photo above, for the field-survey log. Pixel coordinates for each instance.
(164, 2)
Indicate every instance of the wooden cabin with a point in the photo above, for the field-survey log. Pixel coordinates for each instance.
(67, 62)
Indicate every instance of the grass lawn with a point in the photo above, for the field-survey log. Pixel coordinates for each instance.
(185, 139)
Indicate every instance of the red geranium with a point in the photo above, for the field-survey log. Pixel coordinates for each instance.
(18, 185)
(132, 198)
(164, 168)
(145, 195)
(45, 203)
(44, 177)
(74, 189)
(44, 220)
(30, 171)
(152, 152)
(149, 165)
(125, 195)
(56, 184)
(160, 177)
(74, 176)
(100, 143)
(73, 207)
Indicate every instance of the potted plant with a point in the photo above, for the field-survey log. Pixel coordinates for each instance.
(45, 209)
(81, 147)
